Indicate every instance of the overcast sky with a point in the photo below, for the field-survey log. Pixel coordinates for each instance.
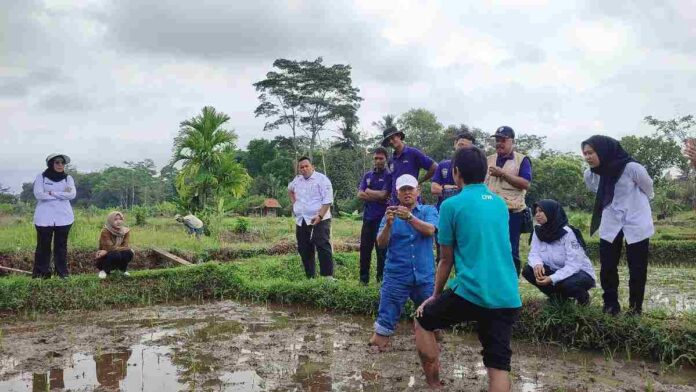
(108, 81)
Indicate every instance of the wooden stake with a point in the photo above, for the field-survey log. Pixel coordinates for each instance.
(171, 257)
(15, 270)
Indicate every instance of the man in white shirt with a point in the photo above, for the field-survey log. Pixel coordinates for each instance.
(311, 195)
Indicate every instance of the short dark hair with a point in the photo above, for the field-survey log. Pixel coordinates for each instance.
(471, 163)
(465, 135)
(381, 150)
(304, 158)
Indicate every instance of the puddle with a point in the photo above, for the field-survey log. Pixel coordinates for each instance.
(226, 346)
(145, 368)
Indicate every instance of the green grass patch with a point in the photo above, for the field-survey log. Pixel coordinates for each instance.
(670, 339)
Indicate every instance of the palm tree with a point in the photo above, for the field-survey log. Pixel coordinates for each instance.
(206, 151)
(387, 121)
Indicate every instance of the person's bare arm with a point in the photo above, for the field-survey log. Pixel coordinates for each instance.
(423, 227)
(291, 195)
(429, 174)
(320, 215)
(384, 234)
(516, 181)
(444, 268)
(436, 189)
(372, 195)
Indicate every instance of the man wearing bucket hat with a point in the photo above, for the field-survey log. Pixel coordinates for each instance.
(407, 231)
(53, 216)
(406, 159)
(509, 176)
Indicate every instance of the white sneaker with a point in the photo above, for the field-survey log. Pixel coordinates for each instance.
(126, 273)
(102, 275)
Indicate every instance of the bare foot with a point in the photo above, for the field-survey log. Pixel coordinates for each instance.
(436, 385)
(379, 342)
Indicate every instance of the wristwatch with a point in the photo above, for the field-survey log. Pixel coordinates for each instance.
(410, 217)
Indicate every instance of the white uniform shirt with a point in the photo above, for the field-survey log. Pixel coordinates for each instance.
(565, 255)
(310, 195)
(53, 209)
(630, 210)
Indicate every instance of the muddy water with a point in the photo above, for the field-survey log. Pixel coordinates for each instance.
(226, 346)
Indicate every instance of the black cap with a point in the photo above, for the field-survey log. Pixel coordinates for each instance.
(388, 133)
(505, 132)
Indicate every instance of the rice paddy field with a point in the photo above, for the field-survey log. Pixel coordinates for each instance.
(244, 318)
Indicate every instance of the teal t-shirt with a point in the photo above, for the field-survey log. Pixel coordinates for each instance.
(475, 224)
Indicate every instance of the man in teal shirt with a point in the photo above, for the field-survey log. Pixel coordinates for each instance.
(474, 238)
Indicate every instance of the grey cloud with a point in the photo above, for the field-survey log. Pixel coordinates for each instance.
(65, 102)
(659, 25)
(20, 85)
(249, 33)
(525, 53)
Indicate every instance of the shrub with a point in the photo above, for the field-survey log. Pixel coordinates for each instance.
(241, 225)
(165, 208)
(141, 213)
(6, 208)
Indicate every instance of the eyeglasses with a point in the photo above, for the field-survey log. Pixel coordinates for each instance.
(59, 162)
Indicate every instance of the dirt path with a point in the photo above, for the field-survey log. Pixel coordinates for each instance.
(226, 346)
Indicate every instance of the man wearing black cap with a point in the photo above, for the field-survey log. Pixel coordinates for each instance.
(405, 160)
(509, 176)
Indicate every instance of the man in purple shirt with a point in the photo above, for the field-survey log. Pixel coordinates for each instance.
(406, 160)
(509, 176)
(374, 191)
(443, 185)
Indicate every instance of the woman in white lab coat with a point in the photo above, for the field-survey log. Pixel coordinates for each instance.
(53, 216)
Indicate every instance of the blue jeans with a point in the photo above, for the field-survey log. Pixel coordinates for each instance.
(392, 298)
(515, 232)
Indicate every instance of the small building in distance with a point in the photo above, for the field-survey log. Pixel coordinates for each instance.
(269, 207)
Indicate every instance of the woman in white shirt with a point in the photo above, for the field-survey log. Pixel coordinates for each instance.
(557, 262)
(621, 212)
(53, 216)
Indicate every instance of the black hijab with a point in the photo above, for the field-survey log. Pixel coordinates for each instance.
(556, 221)
(52, 174)
(612, 162)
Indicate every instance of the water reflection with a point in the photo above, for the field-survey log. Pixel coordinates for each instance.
(112, 368)
(313, 376)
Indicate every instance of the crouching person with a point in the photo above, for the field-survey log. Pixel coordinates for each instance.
(557, 263)
(114, 249)
(474, 237)
(407, 231)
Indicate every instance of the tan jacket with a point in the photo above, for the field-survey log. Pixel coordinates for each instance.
(106, 241)
(514, 197)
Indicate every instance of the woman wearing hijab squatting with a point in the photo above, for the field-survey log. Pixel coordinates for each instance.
(114, 251)
(557, 263)
(53, 217)
(622, 214)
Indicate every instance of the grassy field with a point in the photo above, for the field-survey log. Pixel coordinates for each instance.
(670, 289)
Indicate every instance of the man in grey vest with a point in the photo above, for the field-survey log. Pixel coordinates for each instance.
(509, 176)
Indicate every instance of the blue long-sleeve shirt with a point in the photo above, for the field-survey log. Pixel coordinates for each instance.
(409, 252)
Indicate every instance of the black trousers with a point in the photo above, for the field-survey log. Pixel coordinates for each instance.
(575, 286)
(637, 258)
(311, 239)
(116, 259)
(368, 241)
(42, 257)
(515, 232)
